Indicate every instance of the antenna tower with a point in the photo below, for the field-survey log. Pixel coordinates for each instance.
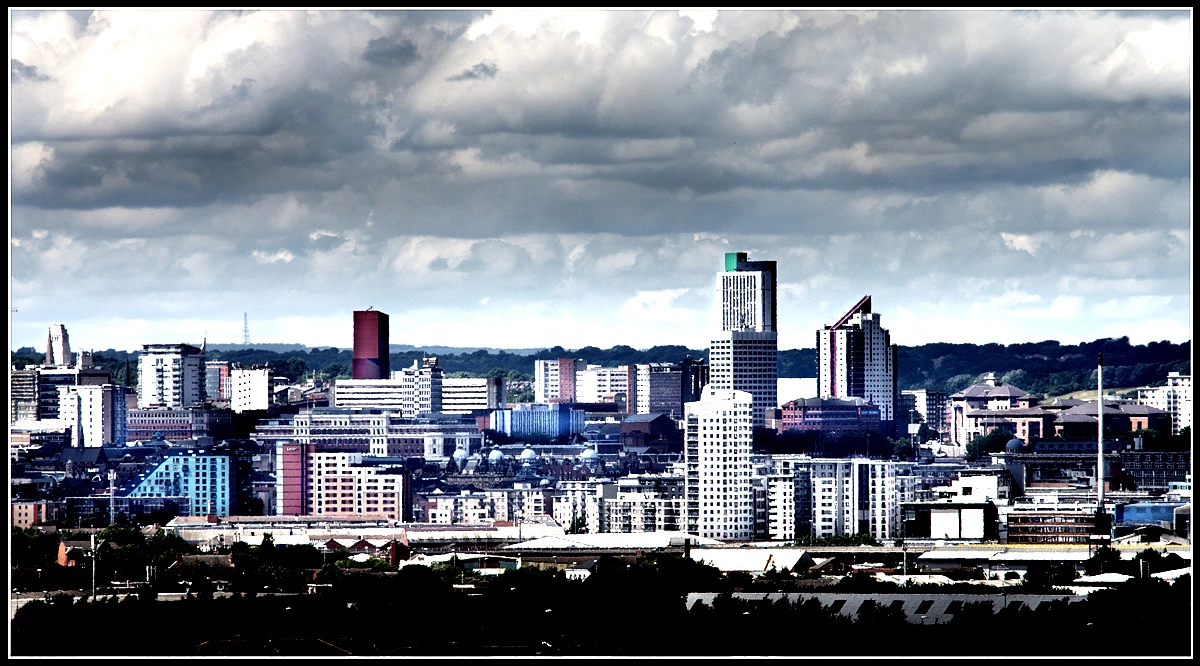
(245, 329)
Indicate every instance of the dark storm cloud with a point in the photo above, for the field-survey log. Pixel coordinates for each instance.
(481, 70)
(619, 152)
(22, 72)
(385, 51)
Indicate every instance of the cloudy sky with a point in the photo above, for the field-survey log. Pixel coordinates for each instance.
(522, 179)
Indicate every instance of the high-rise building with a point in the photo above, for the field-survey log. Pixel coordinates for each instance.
(252, 388)
(96, 414)
(171, 376)
(1175, 398)
(855, 496)
(694, 377)
(718, 494)
(744, 355)
(856, 359)
(216, 383)
(58, 346)
(371, 347)
(554, 381)
(659, 389)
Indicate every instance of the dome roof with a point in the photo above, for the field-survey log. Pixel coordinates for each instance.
(528, 455)
(1014, 444)
(459, 454)
(589, 454)
(495, 456)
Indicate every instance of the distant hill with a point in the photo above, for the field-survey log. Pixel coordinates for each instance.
(1047, 368)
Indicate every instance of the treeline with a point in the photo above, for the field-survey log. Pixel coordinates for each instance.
(530, 612)
(1047, 367)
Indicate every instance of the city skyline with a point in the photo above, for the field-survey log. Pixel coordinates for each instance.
(523, 179)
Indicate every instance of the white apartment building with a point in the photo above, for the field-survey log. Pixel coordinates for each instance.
(465, 507)
(582, 499)
(252, 389)
(598, 384)
(96, 414)
(1175, 398)
(856, 359)
(465, 395)
(642, 512)
(789, 496)
(58, 346)
(171, 376)
(855, 496)
(717, 446)
(743, 356)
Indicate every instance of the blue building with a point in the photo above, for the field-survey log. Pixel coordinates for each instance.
(1146, 513)
(205, 478)
(528, 419)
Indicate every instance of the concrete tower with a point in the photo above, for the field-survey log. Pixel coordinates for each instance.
(58, 346)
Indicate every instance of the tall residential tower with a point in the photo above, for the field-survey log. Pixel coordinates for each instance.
(856, 359)
(744, 355)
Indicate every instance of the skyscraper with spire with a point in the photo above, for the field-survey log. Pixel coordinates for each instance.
(743, 356)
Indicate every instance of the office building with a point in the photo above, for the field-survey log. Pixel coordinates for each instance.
(467, 395)
(409, 392)
(58, 347)
(719, 500)
(205, 478)
(178, 424)
(931, 405)
(694, 376)
(171, 376)
(594, 384)
(555, 421)
(34, 392)
(856, 359)
(217, 380)
(1174, 398)
(375, 432)
(659, 389)
(96, 414)
(371, 348)
(833, 417)
(743, 356)
(554, 381)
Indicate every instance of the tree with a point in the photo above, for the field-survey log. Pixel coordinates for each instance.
(993, 442)
(1105, 560)
(902, 448)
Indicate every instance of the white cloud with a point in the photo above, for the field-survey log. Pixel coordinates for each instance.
(272, 257)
